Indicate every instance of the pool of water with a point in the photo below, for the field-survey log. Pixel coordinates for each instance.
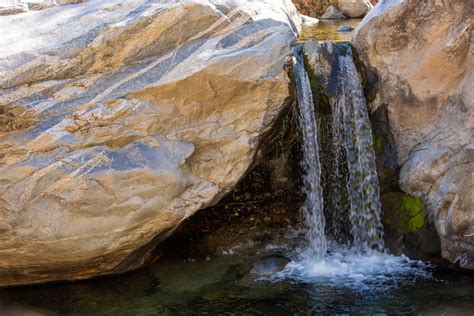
(327, 30)
(339, 284)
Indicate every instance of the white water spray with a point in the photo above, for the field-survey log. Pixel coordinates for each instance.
(363, 264)
(312, 208)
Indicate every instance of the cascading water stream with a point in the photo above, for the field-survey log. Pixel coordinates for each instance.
(362, 264)
(351, 133)
(312, 208)
(350, 109)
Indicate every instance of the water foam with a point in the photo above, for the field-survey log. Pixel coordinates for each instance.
(369, 271)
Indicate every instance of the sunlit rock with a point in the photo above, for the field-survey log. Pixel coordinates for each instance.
(332, 13)
(120, 119)
(418, 58)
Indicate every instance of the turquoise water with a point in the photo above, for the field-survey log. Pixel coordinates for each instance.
(177, 286)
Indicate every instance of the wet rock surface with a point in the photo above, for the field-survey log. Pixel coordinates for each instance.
(269, 265)
(345, 28)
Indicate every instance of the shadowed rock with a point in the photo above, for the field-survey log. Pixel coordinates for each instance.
(269, 265)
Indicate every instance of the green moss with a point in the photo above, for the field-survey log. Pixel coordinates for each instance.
(378, 145)
(413, 212)
(403, 212)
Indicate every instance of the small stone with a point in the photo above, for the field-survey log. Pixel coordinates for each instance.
(345, 28)
(270, 265)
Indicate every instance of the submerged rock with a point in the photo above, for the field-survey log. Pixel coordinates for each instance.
(269, 265)
(332, 13)
(418, 61)
(345, 28)
(118, 120)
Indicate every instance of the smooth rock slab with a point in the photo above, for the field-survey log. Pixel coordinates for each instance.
(120, 119)
(419, 58)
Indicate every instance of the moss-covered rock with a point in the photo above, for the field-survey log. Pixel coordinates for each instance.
(403, 212)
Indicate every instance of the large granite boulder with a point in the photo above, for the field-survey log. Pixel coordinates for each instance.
(418, 57)
(354, 8)
(120, 119)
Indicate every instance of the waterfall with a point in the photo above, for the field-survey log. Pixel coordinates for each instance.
(349, 107)
(345, 178)
(350, 154)
(312, 208)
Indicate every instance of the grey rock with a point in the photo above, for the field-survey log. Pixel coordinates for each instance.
(345, 28)
(269, 265)
(332, 13)
(354, 8)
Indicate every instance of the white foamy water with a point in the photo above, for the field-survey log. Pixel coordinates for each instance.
(312, 208)
(370, 271)
(362, 264)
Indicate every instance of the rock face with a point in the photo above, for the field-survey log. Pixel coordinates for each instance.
(120, 119)
(354, 8)
(418, 57)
